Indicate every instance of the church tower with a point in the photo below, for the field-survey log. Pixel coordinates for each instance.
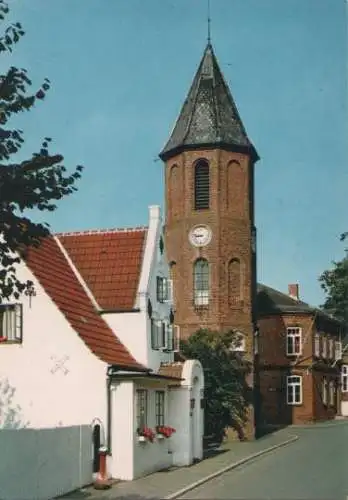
(209, 195)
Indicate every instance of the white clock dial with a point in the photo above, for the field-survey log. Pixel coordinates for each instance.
(200, 236)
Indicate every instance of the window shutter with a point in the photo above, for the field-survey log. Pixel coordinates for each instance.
(158, 279)
(18, 330)
(169, 290)
(154, 334)
(170, 338)
(338, 351)
(163, 332)
(176, 338)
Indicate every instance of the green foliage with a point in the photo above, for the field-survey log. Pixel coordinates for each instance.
(335, 284)
(226, 392)
(37, 183)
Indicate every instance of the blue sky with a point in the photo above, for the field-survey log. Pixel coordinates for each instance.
(120, 71)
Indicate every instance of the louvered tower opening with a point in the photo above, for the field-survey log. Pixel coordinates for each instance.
(201, 185)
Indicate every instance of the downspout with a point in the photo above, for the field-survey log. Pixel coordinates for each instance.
(108, 413)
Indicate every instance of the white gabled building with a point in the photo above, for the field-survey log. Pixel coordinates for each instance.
(94, 344)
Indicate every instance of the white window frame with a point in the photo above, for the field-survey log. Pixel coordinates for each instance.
(239, 344)
(338, 351)
(292, 383)
(317, 345)
(201, 283)
(142, 408)
(160, 406)
(331, 393)
(331, 348)
(163, 289)
(324, 346)
(11, 322)
(293, 333)
(344, 378)
(324, 391)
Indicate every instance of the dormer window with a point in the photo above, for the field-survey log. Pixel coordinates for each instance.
(201, 185)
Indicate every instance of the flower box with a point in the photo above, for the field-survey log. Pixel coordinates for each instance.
(146, 434)
(165, 431)
(159, 436)
(142, 439)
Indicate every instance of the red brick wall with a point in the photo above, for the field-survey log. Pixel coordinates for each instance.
(230, 218)
(231, 221)
(275, 365)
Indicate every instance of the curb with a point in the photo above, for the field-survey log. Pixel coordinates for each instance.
(232, 466)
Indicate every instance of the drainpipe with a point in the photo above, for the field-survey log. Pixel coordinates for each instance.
(108, 413)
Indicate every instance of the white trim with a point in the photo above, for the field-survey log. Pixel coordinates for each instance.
(324, 346)
(324, 390)
(344, 378)
(149, 253)
(77, 274)
(317, 345)
(297, 333)
(296, 381)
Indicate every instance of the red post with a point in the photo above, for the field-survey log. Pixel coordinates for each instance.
(102, 482)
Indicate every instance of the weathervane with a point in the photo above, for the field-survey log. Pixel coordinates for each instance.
(209, 21)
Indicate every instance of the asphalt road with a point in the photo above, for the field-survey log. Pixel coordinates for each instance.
(313, 468)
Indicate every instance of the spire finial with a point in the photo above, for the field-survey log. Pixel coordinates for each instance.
(209, 21)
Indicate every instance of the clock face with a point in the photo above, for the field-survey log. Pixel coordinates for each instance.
(200, 236)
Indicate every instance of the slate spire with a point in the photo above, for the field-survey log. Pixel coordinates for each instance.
(209, 116)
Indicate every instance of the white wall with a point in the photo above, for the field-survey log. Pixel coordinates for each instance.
(134, 328)
(122, 433)
(45, 463)
(150, 457)
(179, 404)
(32, 394)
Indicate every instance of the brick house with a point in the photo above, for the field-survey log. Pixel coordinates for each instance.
(298, 359)
(344, 379)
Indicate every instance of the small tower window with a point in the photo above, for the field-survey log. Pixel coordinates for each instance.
(201, 174)
(201, 282)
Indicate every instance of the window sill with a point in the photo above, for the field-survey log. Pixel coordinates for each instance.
(295, 404)
(11, 342)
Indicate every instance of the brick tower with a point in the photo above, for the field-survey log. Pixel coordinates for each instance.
(209, 195)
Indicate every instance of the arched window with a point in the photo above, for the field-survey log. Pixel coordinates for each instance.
(201, 175)
(234, 282)
(201, 282)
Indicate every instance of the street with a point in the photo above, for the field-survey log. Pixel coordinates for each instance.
(314, 467)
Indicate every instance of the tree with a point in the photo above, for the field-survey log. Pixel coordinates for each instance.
(334, 282)
(36, 183)
(225, 370)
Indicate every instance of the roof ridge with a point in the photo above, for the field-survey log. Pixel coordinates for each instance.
(102, 231)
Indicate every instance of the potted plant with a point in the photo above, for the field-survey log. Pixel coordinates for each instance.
(164, 431)
(3, 339)
(145, 434)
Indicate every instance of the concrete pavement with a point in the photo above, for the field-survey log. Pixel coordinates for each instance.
(168, 484)
(314, 467)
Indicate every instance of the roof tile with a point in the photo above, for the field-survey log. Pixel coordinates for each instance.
(53, 271)
(110, 263)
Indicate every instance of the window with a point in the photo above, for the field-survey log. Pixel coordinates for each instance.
(324, 391)
(201, 282)
(331, 348)
(338, 351)
(238, 344)
(141, 408)
(162, 289)
(201, 176)
(11, 322)
(293, 341)
(159, 402)
(332, 393)
(344, 378)
(294, 390)
(324, 347)
(316, 345)
(161, 335)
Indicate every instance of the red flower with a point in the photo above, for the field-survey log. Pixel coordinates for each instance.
(165, 430)
(147, 433)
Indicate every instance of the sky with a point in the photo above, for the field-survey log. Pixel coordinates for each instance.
(120, 71)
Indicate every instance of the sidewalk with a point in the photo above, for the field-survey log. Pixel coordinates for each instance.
(163, 484)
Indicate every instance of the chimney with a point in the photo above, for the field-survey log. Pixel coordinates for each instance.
(293, 291)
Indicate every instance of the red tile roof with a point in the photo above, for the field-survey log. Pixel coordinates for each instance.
(55, 274)
(110, 263)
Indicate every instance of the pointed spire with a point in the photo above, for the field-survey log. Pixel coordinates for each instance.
(209, 21)
(209, 116)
